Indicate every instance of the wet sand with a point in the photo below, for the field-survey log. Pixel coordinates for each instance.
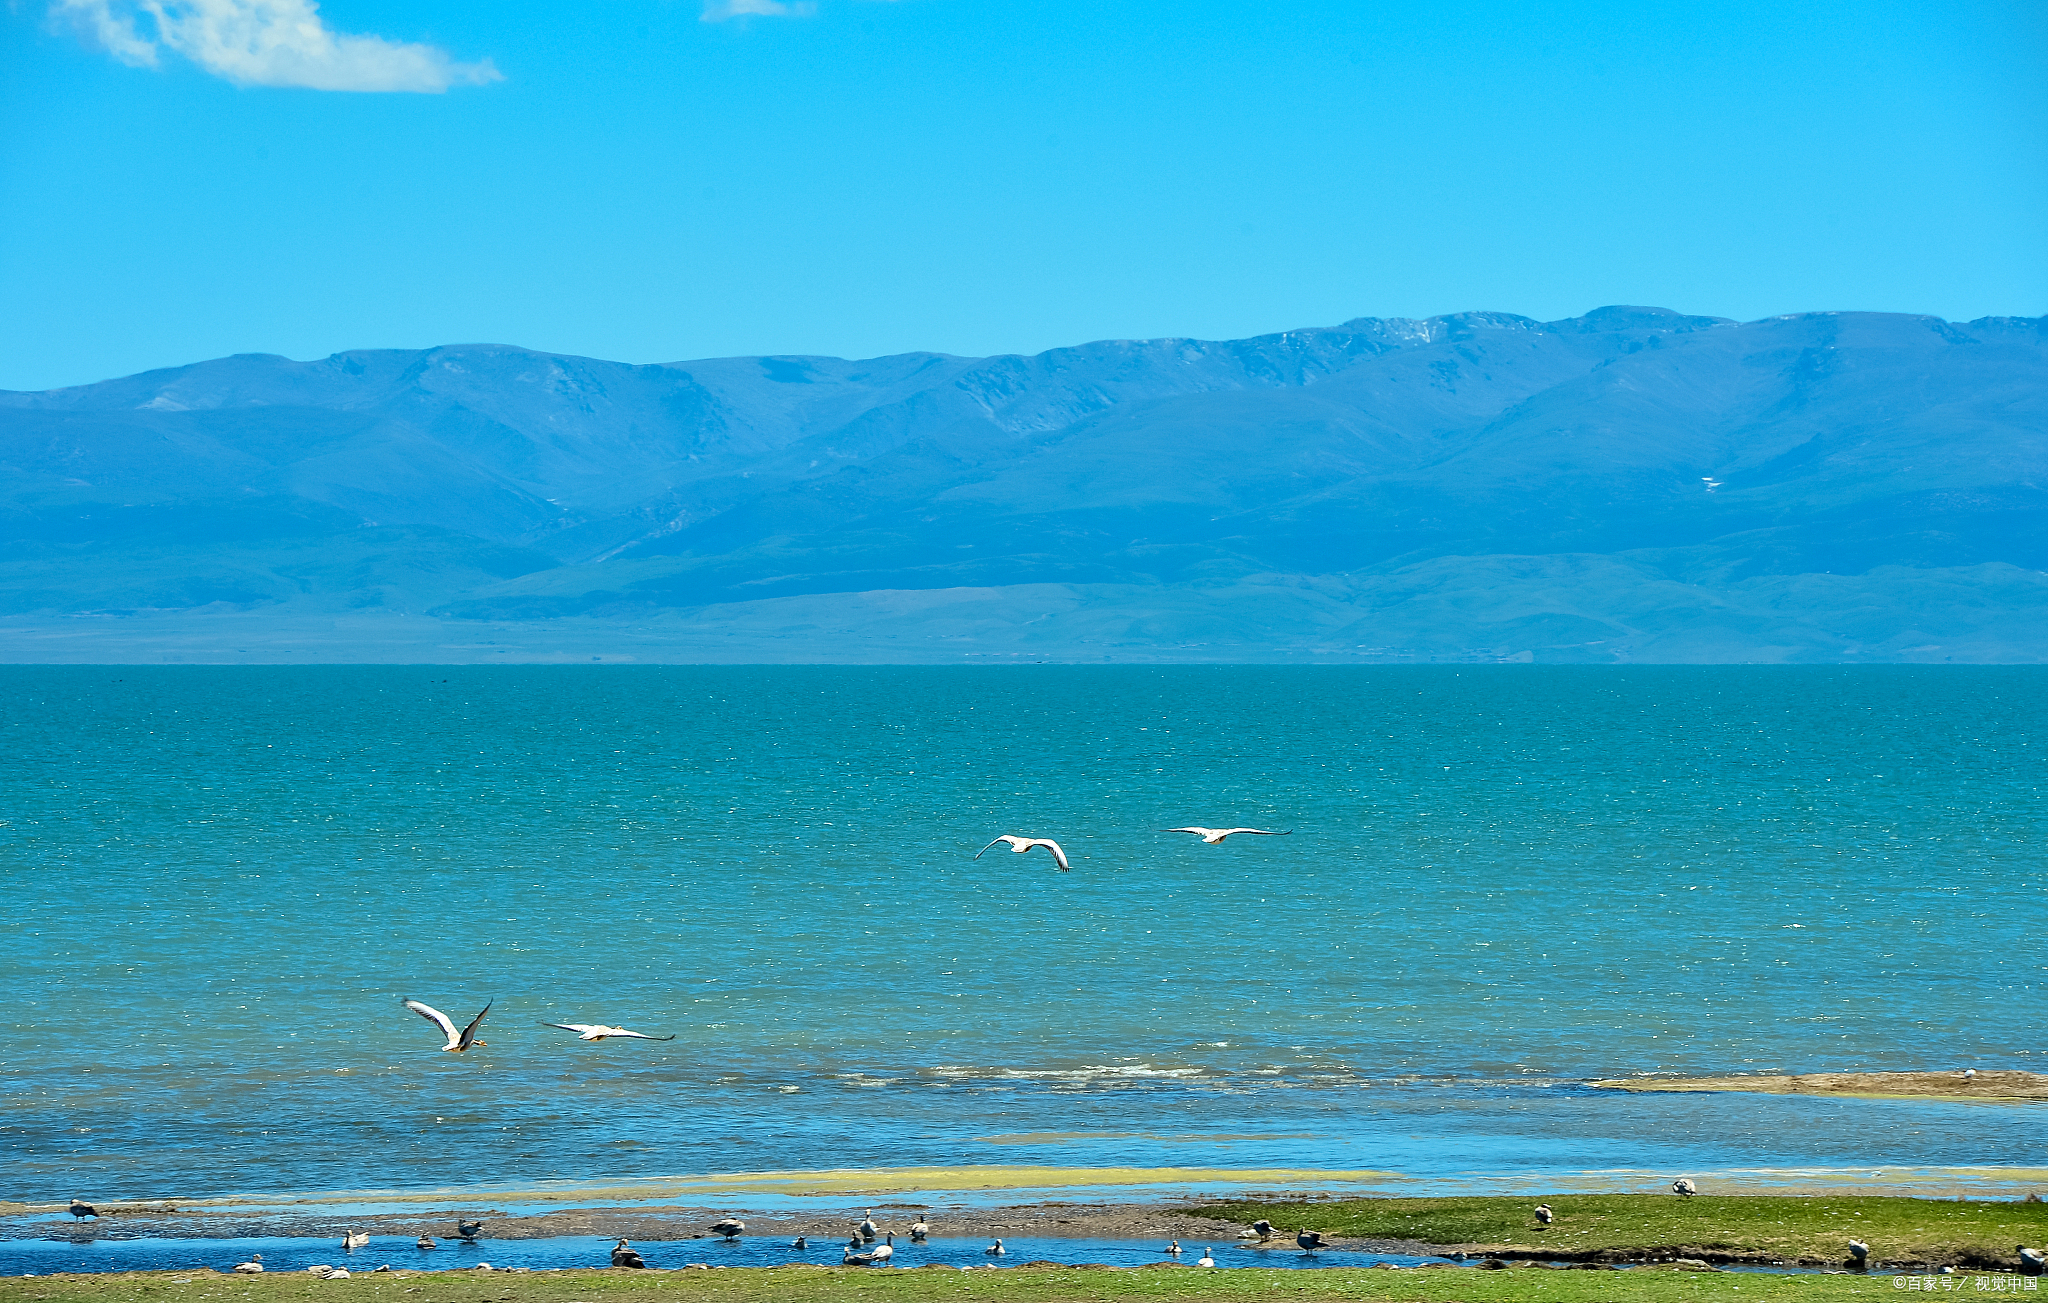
(1991, 1085)
(1057, 1220)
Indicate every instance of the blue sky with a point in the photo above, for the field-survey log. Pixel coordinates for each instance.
(653, 180)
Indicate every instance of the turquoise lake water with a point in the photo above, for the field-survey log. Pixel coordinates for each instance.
(1502, 881)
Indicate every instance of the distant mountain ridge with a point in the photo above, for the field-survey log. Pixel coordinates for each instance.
(1630, 484)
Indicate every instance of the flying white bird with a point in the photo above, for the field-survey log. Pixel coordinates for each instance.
(458, 1041)
(1022, 844)
(1206, 1260)
(1215, 835)
(586, 1031)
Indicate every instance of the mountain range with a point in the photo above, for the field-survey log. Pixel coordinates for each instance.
(1629, 485)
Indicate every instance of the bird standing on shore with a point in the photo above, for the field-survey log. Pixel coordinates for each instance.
(1311, 1241)
(624, 1255)
(458, 1041)
(468, 1231)
(1683, 1185)
(591, 1031)
(1207, 1259)
(2032, 1261)
(1263, 1229)
(353, 1240)
(1859, 1254)
(730, 1227)
(868, 1233)
(1022, 844)
(1215, 836)
(1543, 1213)
(252, 1266)
(82, 1210)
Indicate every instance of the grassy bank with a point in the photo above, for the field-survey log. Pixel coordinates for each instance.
(1635, 1226)
(1021, 1285)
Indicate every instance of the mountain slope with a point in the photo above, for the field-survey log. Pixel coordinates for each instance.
(1629, 484)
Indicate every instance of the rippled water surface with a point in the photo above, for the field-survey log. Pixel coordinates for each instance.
(1501, 882)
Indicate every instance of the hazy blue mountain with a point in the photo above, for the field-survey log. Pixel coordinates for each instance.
(1631, 484)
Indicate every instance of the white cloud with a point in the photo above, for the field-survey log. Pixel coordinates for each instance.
(717, 11)
(267, 43)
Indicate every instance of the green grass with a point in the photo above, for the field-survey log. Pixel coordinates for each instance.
(787, 1285)
(1786, 1227)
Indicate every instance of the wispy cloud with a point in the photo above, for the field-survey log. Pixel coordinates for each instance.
(717, 11)
(268, 43)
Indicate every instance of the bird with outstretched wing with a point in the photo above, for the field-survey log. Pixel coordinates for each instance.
(586, 1031)
(458, 1041)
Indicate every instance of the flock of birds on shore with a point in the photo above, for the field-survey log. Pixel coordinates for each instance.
(861, 1249)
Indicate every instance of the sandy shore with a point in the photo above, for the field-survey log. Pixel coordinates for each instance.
(1991, 1085)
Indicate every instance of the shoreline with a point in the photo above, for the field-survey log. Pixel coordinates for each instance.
(1135, 1223)
(971, 1196)
(1049, 1220)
